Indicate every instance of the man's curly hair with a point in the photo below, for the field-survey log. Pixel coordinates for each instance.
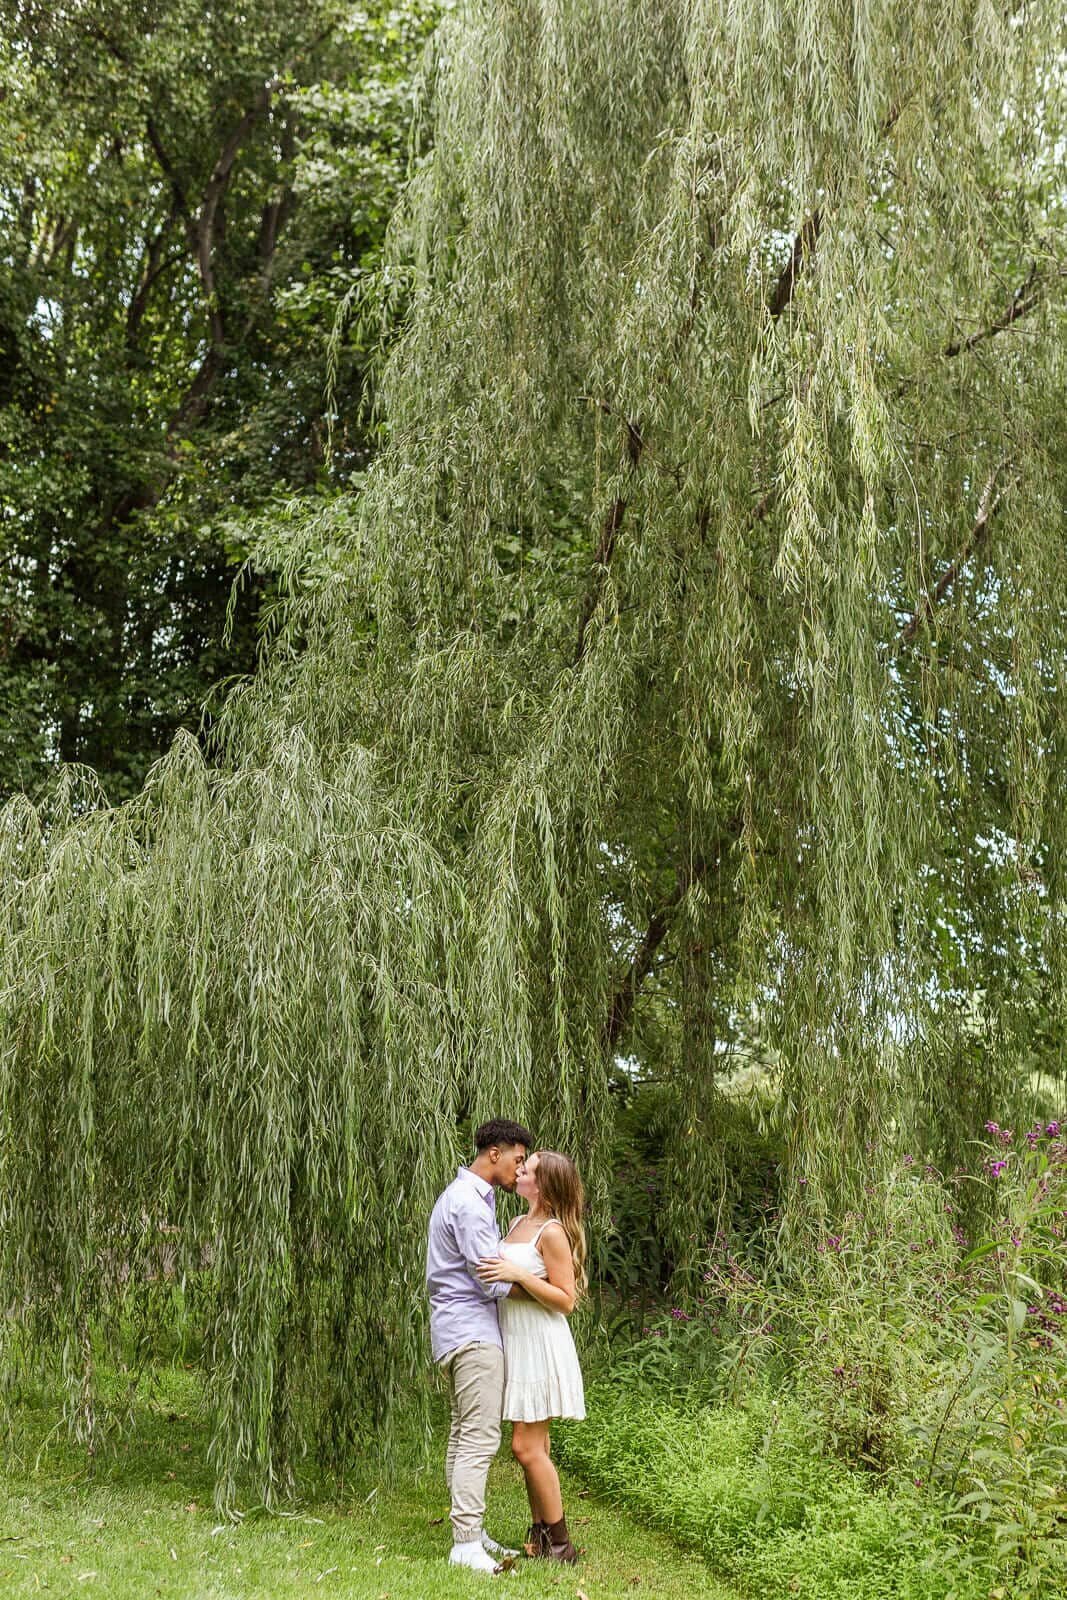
(502, 1131)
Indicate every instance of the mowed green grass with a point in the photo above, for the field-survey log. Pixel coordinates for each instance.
(141, 1524)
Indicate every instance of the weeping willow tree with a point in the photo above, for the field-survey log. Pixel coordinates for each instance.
(696, 641)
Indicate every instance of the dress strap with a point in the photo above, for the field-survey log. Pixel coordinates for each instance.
(543, 1226)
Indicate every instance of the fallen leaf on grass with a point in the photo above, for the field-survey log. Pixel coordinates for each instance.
(581, 1595)
(435, 1522)
(192, 1506)
(325, 1574)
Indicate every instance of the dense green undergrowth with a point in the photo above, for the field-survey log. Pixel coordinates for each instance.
(747, 1486)
(880, 1409)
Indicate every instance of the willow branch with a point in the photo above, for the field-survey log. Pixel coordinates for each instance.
(923, 614)
(803, 246)
(605, 549)
(624, 996)
(808, 237)
(1022, 302)
(637, 444)
(621, 1006)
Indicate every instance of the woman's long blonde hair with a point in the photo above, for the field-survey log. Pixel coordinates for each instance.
(563, 1197)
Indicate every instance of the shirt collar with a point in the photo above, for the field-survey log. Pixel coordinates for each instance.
(483, 1188)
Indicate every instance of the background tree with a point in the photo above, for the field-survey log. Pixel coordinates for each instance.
(769, 302)
(186, 198)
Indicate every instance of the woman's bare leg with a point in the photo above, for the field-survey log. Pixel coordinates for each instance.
(531, 1447)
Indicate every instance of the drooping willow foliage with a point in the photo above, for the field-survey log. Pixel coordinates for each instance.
(696, 644)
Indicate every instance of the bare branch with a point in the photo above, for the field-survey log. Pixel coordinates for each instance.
(624, 996)
(156, 263)
(808, 237)
(803, 246)
(209, 221)
(621, 1005)
(601, 561)
(170, 172)
(1022, 302)
(988, 502)
(636, 443)
(609, 534)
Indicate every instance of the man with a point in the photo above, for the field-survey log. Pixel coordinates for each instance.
(465, 1329)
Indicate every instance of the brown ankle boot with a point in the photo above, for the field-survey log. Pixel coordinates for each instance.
(559, 1543)
(537, 1539)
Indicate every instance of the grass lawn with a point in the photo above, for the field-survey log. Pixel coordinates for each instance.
(141, 1524)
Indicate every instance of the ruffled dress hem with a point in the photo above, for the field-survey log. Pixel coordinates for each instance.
(537, 1401)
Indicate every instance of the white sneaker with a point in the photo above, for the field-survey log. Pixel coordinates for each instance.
(475, 1555)
(499, 1551)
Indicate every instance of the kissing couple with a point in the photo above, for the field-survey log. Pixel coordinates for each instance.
(499, 1332)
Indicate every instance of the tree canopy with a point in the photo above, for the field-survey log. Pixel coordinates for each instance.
(187, 199)
(695, 643)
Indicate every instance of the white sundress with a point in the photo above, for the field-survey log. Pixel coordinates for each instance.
(542, 1378)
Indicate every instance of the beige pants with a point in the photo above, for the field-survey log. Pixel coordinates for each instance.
(475, 1377)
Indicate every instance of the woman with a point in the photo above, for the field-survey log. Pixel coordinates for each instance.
(544, 1253)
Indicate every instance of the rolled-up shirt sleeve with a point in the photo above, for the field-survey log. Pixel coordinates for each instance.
(477, 1237)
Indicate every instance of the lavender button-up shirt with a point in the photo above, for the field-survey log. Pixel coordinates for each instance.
(462, 1230)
